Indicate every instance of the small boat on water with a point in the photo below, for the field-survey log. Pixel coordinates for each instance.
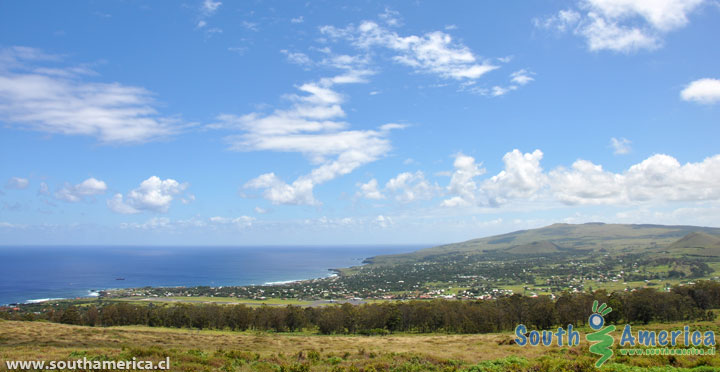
(119, 278)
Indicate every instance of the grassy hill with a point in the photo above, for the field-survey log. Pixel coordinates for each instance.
(589, 237)
(697, 243)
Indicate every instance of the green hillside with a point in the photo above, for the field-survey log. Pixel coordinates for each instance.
(589, 237)
(544, 246)
(697, 244)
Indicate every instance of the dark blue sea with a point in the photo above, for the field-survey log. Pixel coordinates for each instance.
(40, 273)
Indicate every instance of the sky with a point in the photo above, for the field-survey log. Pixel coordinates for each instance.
(336, 123)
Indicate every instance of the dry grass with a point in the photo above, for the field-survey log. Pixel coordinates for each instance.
(61, 338)
(191, 350)
(51, 341)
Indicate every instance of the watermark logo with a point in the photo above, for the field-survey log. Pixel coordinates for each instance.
(661, 342)
(601, 340)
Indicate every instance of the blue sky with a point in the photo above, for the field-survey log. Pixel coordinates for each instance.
(246, 123)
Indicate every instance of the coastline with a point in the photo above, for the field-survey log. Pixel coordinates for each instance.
(90, 293)
(333, 272)
(85, 272)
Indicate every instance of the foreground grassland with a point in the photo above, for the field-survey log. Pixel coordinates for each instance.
(193, 350)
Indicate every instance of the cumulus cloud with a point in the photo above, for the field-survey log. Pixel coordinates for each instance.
(60, 100)
(17, 183)
(76, 193)
(522, 178)
(656, 180)
(462, 187)
(409, 187)
(705, 91)
(370, 190)
(622, 25)
(434, 52)
(620, 146)
(278, 191)
(154, 195)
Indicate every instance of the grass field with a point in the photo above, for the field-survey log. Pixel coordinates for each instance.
(191, 350)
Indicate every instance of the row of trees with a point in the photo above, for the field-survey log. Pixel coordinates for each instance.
(641, 306)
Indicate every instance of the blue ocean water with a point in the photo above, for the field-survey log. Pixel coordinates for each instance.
(36, 273)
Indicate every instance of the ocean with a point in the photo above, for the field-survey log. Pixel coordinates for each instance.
(30, 274)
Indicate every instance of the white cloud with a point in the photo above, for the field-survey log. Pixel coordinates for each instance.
(278, 192)
(166, 224)
(586, 183)
(312, 127)
(391, 17)
(605, 34)
(370, 190)
(59, 101)
(623, 25)
(517, 79)
(705, 91)
(76, 193)
(659, 178)
(209, 7)
(17, 183)
(656, 180)
(665, 15)
(152, 224)
(562, 21)
(434, 52)
(462, 185)
(299, 19)
(154, 194)
(522, 178)
(383, 221)
(8, 225)
(521, 77)
(497, 90)
(348, 62)
(409, 187)
(297, 58)
(252, 26)
(505, 59)
(620, 146)
(240, 222)
(260, 210)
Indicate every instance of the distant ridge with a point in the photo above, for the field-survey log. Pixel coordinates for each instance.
(697, 243)
(590, 237)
